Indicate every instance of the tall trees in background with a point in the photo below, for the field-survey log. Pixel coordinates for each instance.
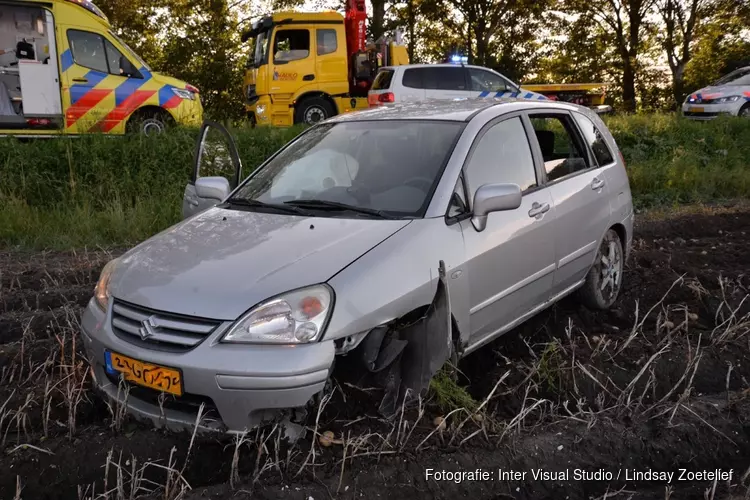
(624, 42)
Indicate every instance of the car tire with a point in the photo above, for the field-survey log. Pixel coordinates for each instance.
(604, 279)
(745, 111)
(149, 122)
(313, 110)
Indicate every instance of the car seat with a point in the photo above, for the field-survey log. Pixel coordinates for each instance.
(546, 139)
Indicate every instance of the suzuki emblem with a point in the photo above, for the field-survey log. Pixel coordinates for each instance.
(148, 329)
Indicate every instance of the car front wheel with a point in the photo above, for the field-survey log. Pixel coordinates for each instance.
(604, 279)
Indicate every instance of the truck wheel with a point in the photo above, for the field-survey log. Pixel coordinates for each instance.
(313, 110)
(604, 279)
(149, 122)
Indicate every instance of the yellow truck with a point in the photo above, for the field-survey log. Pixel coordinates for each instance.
(307, 67)
(64, 71)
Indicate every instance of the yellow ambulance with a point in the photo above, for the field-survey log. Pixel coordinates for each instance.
(64, 71)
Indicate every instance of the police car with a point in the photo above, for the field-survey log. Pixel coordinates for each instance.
(730, 95)
(417, 82)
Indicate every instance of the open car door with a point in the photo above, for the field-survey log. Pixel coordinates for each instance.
(217, 169)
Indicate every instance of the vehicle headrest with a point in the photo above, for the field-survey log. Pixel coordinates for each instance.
(546, 139)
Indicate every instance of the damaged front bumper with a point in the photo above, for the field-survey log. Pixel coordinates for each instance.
(405, 355)
(239, 386)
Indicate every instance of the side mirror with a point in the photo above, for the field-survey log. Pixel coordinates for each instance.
(212, 188)
(494, 198)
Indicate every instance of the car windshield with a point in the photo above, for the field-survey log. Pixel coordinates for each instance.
(738, 77)
(389, 166)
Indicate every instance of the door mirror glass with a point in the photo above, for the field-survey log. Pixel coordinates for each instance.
(212, 188)
(494, 198)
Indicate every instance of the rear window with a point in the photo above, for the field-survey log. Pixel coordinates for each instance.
(435, 77)
(383, 79)
(595, 139)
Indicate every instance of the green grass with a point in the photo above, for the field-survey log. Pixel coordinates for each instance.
(448, 395)
(103, 191)
(674, 160)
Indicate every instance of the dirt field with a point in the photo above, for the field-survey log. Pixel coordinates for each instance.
(660, 383)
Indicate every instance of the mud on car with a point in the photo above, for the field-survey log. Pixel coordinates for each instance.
(401, 237)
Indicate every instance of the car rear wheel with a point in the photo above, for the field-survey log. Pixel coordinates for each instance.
(313, 110)
(604, 279)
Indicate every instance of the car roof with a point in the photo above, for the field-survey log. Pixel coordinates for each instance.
(459, 110)
(437, 65)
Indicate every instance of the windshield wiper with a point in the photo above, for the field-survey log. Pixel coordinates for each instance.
(335, 205)
(244, 202)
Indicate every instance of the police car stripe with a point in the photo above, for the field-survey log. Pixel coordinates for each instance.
(485, 93)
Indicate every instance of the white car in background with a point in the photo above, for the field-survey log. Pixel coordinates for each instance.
(417, 82)
(730, 95)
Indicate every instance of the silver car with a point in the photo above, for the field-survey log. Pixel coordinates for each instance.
(400, 237)
(730, 96)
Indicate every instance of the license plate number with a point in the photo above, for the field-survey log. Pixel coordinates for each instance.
(159, 378)
(697, 109)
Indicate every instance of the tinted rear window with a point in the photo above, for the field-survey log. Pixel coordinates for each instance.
(383, 79)
(436, 77)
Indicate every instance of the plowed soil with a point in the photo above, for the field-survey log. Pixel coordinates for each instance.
(658, 384)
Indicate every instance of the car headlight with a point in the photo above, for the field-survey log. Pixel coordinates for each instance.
(722, 100)
(296, 317)
(260, 109)
(184, 93)
(101, 292)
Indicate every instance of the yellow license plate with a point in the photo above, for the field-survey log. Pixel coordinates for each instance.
(159, 378)
(696, 109)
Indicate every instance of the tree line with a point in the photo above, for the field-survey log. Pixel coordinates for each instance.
(652, 52)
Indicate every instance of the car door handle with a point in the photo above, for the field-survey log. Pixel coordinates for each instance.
(537, 209)
(308, 78)
(597, 184)
(80, 80)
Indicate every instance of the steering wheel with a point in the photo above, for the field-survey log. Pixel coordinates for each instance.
(421, 183)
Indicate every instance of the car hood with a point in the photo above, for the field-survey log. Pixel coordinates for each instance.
(221, 262)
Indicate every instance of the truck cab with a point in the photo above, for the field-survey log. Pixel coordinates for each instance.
(306, 67)
(64, 71)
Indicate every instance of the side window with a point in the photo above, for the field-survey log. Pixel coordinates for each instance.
(88, 50)
(413, 78)
(503, 155)
(327, 43)
(448, 78)
(113, 58)
(560, 148)
(481, 81)
(291, 45)
(458, 203)
(595, 140)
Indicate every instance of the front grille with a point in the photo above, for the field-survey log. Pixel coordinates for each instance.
(159, 330)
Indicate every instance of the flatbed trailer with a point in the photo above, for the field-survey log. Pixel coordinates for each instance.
(591, 95)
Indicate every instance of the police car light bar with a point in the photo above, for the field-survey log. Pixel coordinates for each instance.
(456, 59)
